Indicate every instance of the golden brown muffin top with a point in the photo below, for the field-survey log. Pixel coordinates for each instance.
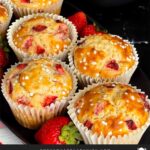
(103, 55)
(38, 83)
(112, 109)
(3, 14)
(42, 35)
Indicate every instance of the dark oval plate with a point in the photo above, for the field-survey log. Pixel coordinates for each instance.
(139, 79)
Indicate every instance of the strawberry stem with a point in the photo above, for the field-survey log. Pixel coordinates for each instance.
(70, 134)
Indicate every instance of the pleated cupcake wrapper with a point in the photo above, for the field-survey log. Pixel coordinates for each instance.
(31, 117)
(62, 55)
(3, 27)
(92, 138)
(54, 8)
(85, 80)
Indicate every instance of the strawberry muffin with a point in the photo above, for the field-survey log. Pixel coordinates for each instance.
(118, 113)
(25, 7)
(103, 57)
(5, 16)
(41, 87)
(41, 34)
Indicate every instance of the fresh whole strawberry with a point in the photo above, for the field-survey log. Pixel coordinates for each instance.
(88, 30)
(59, 130)
(3, 58)
(79, 20)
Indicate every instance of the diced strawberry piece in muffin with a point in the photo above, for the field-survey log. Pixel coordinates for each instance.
(40, 50)
(24, 101)
(88, 124)
(39, 28)
(113, 65)
(147, 105)
(62, 31)
(10, 87)
(110, 85)
(59, 68)
(25, 1)
(143, 96)
(28, 43)
(100, 107)
(131, 124)
(21, 66)
(49, 100)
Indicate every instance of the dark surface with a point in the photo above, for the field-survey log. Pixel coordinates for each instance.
(139, 79)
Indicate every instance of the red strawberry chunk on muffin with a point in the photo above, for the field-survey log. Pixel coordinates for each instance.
(100, 107)
(59, 69)
(131, 124)
(40, 50)
(88, 124)
(143, 96)
(147, 105)
(28, 43)
(39, 28)
(113, 65)
(25, 1)
(24, 101)
(21, 66)
(62, 31)
(49, 100)
(10, 87)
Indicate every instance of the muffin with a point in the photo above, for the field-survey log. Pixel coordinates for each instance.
(42, 34)
(110, 113)
(103, 57)
(38, 89)
(26, 7)
(5, 15)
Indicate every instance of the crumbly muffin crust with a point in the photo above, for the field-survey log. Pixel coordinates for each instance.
(42, 35)
(103, 55)
(38, 83)
(112, 109)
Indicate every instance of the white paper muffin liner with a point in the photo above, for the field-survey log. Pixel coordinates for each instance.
(85, 80)
(4, 26)
(92, 138)
(61, 55)
(54, 8)
(31, 117)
